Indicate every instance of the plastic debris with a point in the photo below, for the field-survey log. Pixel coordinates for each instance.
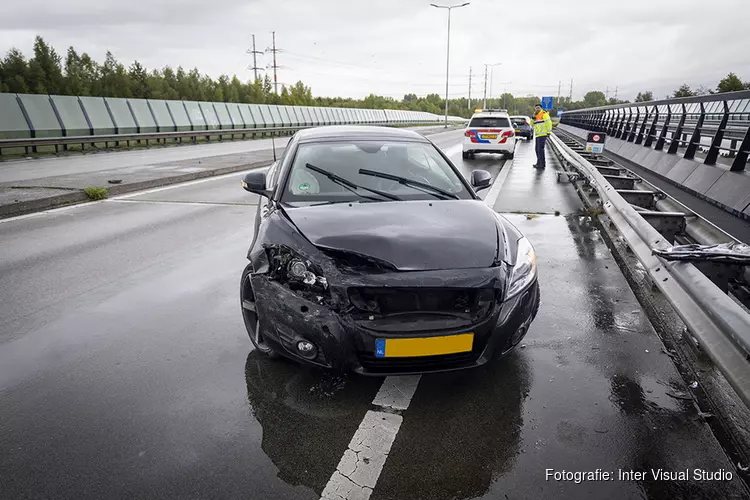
(705, 414)
(694, 385)
(743, 469)
(523, 345)
(678, 395)
(732, 253)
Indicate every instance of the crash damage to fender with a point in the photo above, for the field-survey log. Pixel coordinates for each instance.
(336, 279)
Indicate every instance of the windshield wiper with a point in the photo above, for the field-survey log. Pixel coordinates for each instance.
(351, 186)
(435, 191)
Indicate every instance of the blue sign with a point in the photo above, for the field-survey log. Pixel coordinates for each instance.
(547, 103)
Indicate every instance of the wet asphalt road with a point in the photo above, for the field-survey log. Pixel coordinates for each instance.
(126, 372)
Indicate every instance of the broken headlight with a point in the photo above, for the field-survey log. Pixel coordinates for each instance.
(524, 272)
(294, 269)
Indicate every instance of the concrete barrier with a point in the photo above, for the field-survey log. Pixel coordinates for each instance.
(13, 124)
(162, 116)
(187, 115)
(41, 115)
(98, 115)
(69, 111)
(144, 116)
(122, 116)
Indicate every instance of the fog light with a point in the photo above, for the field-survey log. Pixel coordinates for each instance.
(307, 349)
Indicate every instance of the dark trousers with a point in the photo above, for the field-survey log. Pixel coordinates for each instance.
(540, 143)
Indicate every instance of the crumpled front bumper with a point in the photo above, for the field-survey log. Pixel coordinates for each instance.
(343, 344)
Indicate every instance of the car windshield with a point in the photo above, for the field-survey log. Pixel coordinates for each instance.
(489, 122)
(329, 172)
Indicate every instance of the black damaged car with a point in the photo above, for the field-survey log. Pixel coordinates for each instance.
(372, 253)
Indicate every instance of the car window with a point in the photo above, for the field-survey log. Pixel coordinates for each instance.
(489, 122)
(416, 161)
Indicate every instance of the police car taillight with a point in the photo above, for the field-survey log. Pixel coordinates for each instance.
(508, 133)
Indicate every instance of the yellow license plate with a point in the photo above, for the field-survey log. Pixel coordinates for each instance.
(489, 136)
(424, 346)
(518, 130)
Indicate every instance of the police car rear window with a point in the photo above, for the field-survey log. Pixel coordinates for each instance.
(489, 122)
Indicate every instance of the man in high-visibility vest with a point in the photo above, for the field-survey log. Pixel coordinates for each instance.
(542, 129)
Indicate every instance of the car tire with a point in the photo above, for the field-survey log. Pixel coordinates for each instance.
(465, 155)
(510, 156)
(250, 314)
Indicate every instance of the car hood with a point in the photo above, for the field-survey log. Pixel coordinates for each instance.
(410, 235)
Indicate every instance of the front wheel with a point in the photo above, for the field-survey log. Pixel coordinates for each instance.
(250, 315)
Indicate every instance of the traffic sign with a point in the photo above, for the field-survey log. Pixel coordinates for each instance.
(547, 103)
(595, 142)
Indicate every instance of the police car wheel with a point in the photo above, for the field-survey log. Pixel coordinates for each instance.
(465, 155)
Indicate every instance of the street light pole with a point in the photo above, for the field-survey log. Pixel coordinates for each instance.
(448, 51)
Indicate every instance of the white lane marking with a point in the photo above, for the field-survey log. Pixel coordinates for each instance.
(453, 150)
(396, 392)
(193, 203)
(494, 192)
(360, 467)
(187, 184)
(51, 210)
(131, 195)
(358, 470)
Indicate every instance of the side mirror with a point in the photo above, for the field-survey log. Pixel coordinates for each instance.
(255, 182)
(480, 179)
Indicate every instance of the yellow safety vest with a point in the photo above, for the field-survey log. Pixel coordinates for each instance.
(542, 124)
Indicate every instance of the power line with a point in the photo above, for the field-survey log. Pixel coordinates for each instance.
(255, 67)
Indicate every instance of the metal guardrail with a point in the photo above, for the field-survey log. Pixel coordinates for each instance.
(33, 143)
(721, 325)
(718, 124)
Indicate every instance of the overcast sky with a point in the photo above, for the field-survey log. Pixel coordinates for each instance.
(393, 47)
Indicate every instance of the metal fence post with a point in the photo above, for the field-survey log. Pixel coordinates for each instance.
(664, 129)
(652, 129)
(738, 165)
(678, 133)
(634, 125)
(695, 139)
(713, 151)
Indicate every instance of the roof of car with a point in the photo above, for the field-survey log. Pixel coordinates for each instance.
(357, 132)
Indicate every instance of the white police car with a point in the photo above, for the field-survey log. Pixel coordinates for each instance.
(489, 131)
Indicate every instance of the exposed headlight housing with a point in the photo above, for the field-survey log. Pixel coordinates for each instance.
(524, 272)
(293, 269)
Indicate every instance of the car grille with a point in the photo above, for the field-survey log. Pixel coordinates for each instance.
(373, 364)
(392, 301)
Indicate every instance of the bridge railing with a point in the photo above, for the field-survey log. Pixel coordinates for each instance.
(704, 127)
(29, 121)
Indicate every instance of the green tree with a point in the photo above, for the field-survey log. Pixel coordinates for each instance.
(684, 91)
(645, 96)
(730, 83)
(45, 71)
(139, 83)
(594, 99)
(15, 72)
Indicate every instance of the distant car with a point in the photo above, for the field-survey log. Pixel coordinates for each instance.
(372, 253)
(489, 131)
(522, 125)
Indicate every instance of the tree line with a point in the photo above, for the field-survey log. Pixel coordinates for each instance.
(47, 72)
